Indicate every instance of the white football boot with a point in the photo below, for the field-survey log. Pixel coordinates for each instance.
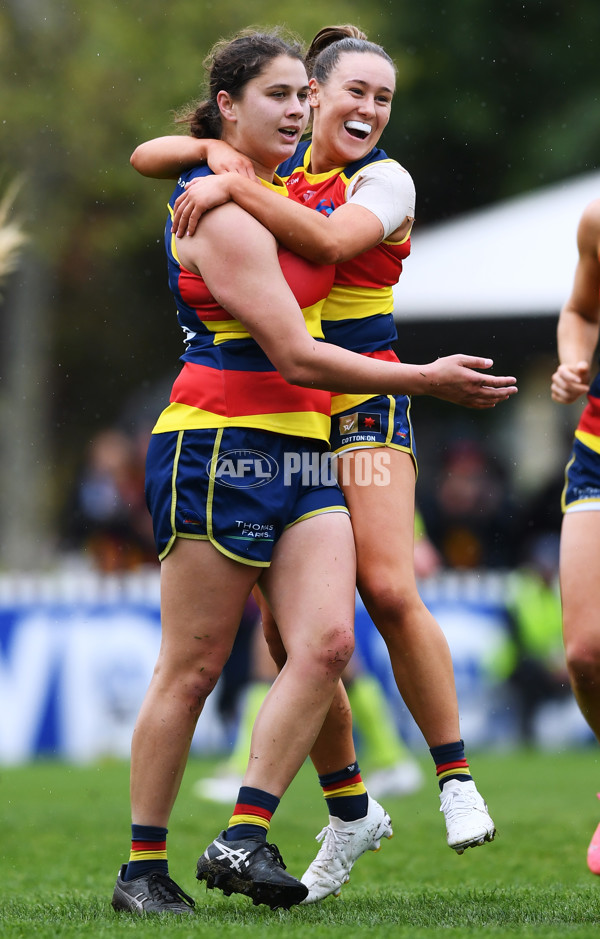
(468, 822)
(343, 843)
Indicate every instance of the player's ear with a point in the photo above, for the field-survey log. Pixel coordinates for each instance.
(313, 93)
(226, 106)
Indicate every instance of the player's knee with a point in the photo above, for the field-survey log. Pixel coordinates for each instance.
(186, 685)
(583, 662)
(335, 649)
(197, 687)
(389, 600)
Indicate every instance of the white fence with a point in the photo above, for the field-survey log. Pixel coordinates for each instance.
(77, 652)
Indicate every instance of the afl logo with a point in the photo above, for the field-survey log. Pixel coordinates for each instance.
(243, 469)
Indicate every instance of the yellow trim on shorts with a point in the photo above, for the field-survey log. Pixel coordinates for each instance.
(379, 446)
(563, 495)
(209, 523)
(578, 505)
(582, 505)
(171, 540)
(327, 510)
(188, 536)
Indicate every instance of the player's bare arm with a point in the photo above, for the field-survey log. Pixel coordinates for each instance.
(245, 277)
(579, 321)
(166, 157)
(347, 232)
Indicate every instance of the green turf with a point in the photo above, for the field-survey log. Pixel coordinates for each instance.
(65, 831)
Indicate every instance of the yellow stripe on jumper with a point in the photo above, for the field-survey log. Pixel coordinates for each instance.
(357, 303)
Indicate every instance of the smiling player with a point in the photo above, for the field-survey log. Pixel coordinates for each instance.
(354, 207)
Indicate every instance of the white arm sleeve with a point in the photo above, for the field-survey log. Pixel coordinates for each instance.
(387, 190)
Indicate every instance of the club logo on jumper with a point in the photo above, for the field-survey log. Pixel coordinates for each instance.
(243, 469)
(325, 206)
(361, 422)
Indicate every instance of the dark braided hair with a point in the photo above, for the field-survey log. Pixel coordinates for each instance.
(231, 64)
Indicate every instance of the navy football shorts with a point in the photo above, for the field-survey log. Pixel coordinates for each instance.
(238, 488)
(582, 480)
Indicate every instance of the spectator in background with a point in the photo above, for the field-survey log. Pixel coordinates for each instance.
(468, 515)
(532, 661)
(109, 518)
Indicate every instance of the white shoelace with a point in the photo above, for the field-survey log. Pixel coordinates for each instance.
(333, 841)
(455, 803)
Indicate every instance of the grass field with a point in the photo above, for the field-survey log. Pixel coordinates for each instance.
(65, 829)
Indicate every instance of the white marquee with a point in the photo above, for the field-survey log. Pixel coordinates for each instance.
(512, 259)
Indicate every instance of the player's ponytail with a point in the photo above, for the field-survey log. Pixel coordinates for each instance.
(204, 121)
(328, 35)
(330, 42)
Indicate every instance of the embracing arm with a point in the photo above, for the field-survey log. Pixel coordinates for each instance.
(350, 230)
(579, 321)
(238, 260)
(166, 157)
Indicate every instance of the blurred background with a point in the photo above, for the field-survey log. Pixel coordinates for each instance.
(496, 118)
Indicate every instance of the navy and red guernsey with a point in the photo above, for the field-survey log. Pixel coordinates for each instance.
(358, 314)
(226, 379)
(588, 428)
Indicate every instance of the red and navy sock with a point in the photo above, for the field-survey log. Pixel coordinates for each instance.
(252, 814)
(148, 851)
(345, 793)
(450, 762)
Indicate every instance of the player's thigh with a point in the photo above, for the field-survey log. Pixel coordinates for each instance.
(580, 577)
(203, 594)
(311, 582)
(383, 519)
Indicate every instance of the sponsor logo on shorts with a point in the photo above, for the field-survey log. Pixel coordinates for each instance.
(360, 422)
(254, 531)
(243, 469)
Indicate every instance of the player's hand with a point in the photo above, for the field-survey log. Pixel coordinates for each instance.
(223, 158)
(201, 195)
(455, 378)
(569, 382)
